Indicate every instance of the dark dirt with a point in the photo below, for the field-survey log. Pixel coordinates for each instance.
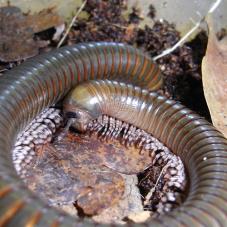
(105, 22)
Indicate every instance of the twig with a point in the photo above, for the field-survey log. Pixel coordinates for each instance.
(181, 41)
(119, 26)
(185, 37)
(214, 6)
(3, 70)
(164, 168)
(71, 24)
(148, 196)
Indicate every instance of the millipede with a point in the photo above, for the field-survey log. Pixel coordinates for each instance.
(38, 83)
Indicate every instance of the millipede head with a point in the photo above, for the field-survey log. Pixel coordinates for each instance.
(80, 108)
(77, 118)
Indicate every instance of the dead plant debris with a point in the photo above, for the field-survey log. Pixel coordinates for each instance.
(17, 32)
(106, 21)
(79, 174)
(214, 69)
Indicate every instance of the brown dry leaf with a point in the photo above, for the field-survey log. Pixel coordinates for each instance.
(75, 173)
(130, 203)
(61, 184)
(105, 191)
(17, 32)
(113, 154)
(127, 160)
(43, 20)
(85, 170)
(214, 75)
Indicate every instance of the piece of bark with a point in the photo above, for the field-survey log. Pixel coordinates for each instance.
(214, 76)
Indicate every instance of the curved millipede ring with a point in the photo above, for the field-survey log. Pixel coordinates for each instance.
(28, 89)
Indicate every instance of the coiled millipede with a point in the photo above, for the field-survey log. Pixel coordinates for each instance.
(42, 81)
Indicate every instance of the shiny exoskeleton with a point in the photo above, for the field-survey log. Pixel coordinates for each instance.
(117, 110)
(40, 82)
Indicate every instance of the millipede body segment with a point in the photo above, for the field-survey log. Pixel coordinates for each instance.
(37, 134)
(42, 81)
(165, 119)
